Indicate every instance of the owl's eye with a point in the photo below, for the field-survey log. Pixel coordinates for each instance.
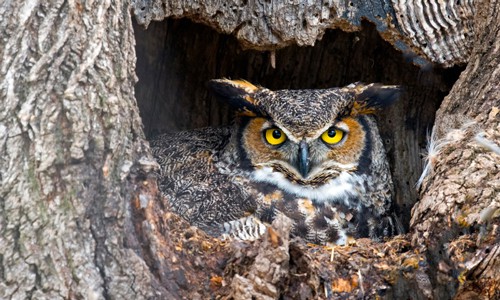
(275, 136)
(332, 136)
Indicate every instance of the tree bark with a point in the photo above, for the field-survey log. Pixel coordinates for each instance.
(69, 134)
(458, 210)
(80, 212)
(440, 32)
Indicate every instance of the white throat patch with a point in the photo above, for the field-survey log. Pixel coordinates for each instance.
(336, 190)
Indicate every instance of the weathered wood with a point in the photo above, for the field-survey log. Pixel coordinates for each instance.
(443, 30)
(462, 190)
(270, 25)
(69, 133)
(440, 32)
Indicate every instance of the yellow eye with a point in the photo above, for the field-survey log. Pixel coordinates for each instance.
(332, 136)
(274, 136)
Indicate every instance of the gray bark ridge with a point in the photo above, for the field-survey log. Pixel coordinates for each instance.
(69, 133)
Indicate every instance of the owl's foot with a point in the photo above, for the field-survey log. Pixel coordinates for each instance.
(246, 229)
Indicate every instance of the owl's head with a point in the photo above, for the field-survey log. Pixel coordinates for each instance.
(305, 141)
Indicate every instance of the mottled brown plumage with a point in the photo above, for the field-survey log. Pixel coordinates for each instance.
(314, 155)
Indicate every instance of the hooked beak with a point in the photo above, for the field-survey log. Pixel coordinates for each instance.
(303, 159)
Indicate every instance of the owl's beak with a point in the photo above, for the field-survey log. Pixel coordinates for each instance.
(303, 159)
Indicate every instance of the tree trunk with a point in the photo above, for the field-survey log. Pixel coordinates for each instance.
(69, 134)
(80, 212)
(460, 204)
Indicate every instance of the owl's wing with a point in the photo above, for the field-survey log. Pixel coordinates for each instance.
(191, 179)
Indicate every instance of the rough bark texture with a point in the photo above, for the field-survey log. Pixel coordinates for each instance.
(269, 25)
(441, 32)
(460, 197)
(80, 214)
(69, 134)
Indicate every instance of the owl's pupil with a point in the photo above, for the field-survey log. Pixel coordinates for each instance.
(276, 134)
(331, 132)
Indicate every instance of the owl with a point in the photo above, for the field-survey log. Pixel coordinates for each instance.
(315, 156)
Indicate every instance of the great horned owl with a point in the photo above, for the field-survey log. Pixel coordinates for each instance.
(314, 155)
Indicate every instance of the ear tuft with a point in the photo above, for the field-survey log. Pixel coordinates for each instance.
(238, 93)
(373, 97)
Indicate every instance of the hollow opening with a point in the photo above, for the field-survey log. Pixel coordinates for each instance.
(175, 59)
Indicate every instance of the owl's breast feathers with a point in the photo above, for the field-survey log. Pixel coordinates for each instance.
(335, 190)
(329, 212)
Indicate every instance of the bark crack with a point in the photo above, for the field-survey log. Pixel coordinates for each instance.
(99, 263)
